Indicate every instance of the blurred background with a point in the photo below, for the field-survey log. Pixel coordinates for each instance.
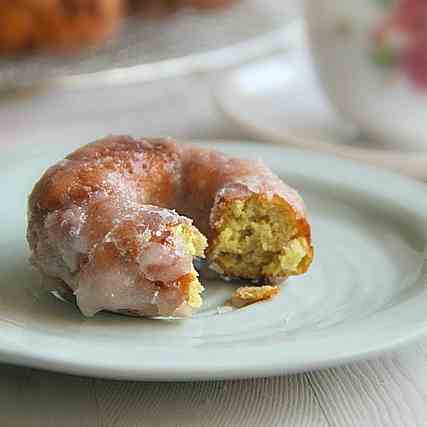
(322, 76)
(141, 67)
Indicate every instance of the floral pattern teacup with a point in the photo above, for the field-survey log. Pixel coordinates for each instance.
(371, 57)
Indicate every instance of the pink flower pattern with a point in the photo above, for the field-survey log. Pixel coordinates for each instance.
(402, 39)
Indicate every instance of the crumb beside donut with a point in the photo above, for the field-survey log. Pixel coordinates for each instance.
(208, 4)
(120, 221)
(246, 295)
(158, 8)
(152, 8)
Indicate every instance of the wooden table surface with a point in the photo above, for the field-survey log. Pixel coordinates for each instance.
(387, 391)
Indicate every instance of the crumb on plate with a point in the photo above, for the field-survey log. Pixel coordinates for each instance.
(246, 295)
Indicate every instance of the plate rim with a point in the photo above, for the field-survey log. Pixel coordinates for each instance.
(263, 364)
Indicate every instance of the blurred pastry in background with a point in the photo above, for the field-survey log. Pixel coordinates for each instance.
(67, 25)
(56, 25)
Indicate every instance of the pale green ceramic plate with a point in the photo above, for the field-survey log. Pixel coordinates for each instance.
(365, 293)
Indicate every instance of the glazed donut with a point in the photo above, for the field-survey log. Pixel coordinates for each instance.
(54, 25)
(111, 222)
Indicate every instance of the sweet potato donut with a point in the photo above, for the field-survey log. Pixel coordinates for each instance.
(104, 221)
(56, 24)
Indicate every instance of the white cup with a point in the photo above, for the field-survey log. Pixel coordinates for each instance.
(371, 57)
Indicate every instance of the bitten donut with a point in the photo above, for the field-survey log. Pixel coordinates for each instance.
(56, 25)
(120, 220)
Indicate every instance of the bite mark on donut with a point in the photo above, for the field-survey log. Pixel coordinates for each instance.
(258, 238)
